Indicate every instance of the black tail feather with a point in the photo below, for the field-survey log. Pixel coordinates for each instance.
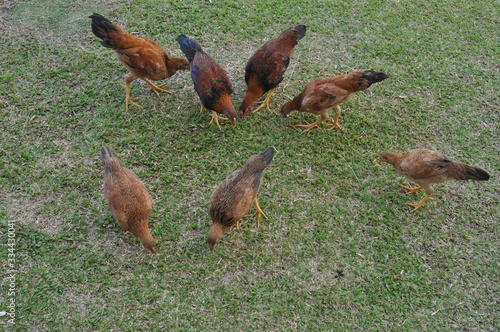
(374, 76)
(302, 31)
(188, 46)
(101, 27)
(268, 154)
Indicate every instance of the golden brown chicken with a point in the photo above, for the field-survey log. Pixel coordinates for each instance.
(210, 81)
(324, 93)
(427, 167)
(144, 58)
(127, 198)
(234, 197)
(266, 68)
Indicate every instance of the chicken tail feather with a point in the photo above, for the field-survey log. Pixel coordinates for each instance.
(102, 27)
(467, 172)
(268, 155)
(302, 31)
(188, 46)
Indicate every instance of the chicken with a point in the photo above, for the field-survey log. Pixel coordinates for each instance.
(266, 68)
(144, 58)
(128, 199)
(324, 93)
(427, 167)
(234, 197)
(210, 80)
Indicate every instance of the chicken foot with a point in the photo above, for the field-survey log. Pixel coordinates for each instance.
(155, 88)
(265, 103)
(216, 118)
(418, 205)
(411, 190)
(259, 212)
(129, 100)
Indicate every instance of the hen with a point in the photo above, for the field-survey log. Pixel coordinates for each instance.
(144, 58)
(427, 167)
(324, 93)
(234, 197)
(210, 80)
(128, 199)
(266, 68)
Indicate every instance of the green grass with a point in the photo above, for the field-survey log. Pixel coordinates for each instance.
(339, 252)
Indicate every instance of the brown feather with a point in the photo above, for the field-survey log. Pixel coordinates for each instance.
(128, 199)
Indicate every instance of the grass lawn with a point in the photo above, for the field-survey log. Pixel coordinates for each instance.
(340, 251)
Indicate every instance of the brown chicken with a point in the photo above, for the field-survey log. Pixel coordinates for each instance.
(427, 167)
(128, 199)
(234, 197)
(144, 58)
(266, 68)
(210, 80)
(324, 93)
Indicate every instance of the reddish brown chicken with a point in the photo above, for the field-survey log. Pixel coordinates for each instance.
(427, 167)
(128, 199)
(211, 82)
(266, 68)
(144, 58)
(234, 197)
(322, 94)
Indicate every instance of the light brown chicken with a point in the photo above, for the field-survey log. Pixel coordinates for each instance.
(427, 167)
(128, 199)
(234, 197)
(324, 93)
(144, 58)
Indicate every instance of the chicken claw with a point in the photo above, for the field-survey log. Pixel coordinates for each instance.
(129, 100)
(155, 88)
(418, 205)
(411, 190)
(216, 118)
(259, 212)
(265, 103)
(308, 126)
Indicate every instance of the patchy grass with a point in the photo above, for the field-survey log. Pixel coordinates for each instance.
(340, 250)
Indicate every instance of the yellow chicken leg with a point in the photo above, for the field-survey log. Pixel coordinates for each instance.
(216, 118)
(335, 120)
(265, 103)
(419, 204)
(155, 88)
(411, 190)
(128, 99)
(259, 212)
(308, 126)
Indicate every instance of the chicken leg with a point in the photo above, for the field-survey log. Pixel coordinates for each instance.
(411, 190)
(259, 212)
(418, 205)
(265, 103)
(216, 118)
(335, 120)
(155, 88)
(128, 99)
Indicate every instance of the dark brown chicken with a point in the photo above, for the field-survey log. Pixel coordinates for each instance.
(210, 81)
(144, 58)
(234, 197)
(128, 199)
(322, 94)
(427, 167)
(266, 68)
